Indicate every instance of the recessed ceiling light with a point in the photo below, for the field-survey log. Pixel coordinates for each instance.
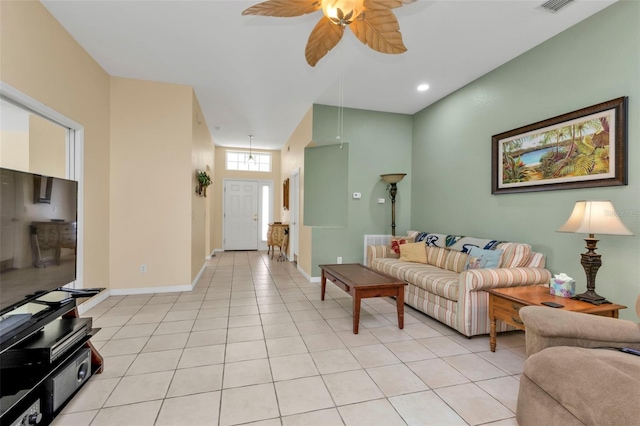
(423, 87)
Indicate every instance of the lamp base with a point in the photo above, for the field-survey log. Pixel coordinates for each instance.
(591, 297)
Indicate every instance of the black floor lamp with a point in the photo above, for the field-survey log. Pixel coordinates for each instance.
(391, 180)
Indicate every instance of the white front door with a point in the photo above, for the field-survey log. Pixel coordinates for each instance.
(240, 215)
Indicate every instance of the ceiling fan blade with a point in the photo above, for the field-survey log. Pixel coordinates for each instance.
(322, 39)
(383, 4)
(379, 29)
(283, 8)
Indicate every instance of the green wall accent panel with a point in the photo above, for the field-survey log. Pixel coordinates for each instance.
(379, 143)
(594, 61)
(325, 190)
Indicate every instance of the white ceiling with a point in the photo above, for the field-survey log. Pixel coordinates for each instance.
(250, 73)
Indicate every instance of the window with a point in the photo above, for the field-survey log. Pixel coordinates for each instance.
(240, 161)
(265, 212)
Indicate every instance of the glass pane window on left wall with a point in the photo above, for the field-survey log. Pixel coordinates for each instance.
(265, 213)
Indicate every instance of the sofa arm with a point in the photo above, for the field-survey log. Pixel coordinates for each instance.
(374, 252)
(483, 279)
(546, 327)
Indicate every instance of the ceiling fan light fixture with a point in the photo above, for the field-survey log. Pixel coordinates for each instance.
(342, 12)
(250, 159)
(371, 21)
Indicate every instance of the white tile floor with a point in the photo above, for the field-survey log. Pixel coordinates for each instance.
(254, 344)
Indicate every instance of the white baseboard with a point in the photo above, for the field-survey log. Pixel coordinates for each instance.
(213, 253)
(307, 276)
(195, 280)
(169, 289)
(147, 290)
(85, 306)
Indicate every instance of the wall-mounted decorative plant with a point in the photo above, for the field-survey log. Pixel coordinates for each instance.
(204, 180)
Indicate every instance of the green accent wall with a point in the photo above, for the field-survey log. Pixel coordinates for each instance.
(326, 179)
(595, 61)
(378, 143)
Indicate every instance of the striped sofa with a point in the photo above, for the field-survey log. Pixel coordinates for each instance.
(444, 290)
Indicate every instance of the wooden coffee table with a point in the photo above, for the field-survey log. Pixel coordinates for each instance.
(361, 282)
(505, 304)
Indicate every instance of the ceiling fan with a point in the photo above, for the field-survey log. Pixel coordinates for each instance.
(372, 22)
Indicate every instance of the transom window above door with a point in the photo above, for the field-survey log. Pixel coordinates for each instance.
(239, 160)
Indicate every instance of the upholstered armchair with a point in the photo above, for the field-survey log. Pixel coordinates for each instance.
(574, 375)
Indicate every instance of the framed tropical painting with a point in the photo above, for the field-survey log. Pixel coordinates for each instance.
(580, 149)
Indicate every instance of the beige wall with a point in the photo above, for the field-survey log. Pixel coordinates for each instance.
(40, 59)
(42, 149)
(14, 150)
(151, 183)
(220, 173)
(293, 158)
(202, 154)
(47, 147)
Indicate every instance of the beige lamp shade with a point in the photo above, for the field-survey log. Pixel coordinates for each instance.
(595, 217)
(393, 177)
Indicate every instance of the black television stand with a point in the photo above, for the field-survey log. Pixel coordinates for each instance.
(11, 322)
(37, 389)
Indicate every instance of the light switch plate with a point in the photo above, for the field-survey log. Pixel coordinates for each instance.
(357, 195)
(381, 200)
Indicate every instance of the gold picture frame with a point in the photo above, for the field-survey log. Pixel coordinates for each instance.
(285, 194)
(581, 149)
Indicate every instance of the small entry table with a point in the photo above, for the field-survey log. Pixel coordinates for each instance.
(278, 236)
(505, 304)
(361, 282)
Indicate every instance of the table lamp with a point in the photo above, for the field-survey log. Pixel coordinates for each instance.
(593, 217)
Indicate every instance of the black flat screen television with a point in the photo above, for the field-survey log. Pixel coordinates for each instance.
(38, 236)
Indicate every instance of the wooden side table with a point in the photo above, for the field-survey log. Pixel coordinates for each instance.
(505, 304)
